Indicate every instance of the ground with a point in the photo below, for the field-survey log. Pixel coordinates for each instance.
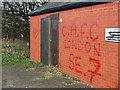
(17, 77)
(20, 72)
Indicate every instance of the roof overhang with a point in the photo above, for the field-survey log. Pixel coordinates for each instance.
(63, 7)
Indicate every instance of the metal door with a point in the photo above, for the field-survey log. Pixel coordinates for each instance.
(45, 23)
(54, 39)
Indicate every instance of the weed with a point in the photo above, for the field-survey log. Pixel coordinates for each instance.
(75, 79)
(52, 70)
(64, 74)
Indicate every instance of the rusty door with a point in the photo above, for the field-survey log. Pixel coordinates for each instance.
(49, 40)
(45, 22)
(54, 39)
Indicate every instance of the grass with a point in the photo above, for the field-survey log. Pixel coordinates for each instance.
(75, 79)
(15, 54)
(64, 74)
(19, 60)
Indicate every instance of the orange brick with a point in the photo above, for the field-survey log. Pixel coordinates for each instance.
(96, 63)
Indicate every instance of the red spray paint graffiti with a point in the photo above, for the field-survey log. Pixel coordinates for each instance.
(75, 65)
(86, 47)
(92, 28)
(76, 32)
(97, 66)
(85, 42)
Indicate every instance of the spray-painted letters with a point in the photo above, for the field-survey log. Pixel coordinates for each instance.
(82, 38)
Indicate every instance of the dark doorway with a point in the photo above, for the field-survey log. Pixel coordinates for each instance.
(49, 40)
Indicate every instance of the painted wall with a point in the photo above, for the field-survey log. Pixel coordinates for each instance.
(83, 52)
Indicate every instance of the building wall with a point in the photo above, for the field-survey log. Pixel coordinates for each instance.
(35, 39)
(83, 52)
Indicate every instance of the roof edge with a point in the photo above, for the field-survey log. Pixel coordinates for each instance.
(65, 7)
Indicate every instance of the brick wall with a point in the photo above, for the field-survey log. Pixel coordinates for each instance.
(83, 52)
(35, 39)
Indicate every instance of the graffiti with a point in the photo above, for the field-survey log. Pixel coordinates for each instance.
(83, 39)
(75, 65)
(71, 61)
(97, 49)
(75, 36)
(63, 31)
(97, 66)
(82, 28)
(92, 29)
(75, 31)
(87, 46)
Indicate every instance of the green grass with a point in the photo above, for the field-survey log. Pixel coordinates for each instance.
(14, 54)
(64, 74)
(75, 79)
(18, 60)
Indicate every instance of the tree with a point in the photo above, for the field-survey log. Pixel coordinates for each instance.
(16, 20)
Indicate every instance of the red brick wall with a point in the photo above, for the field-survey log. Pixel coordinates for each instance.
(83, 52)
(35, 39)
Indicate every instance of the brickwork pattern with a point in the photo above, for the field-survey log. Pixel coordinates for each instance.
(83, 51)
